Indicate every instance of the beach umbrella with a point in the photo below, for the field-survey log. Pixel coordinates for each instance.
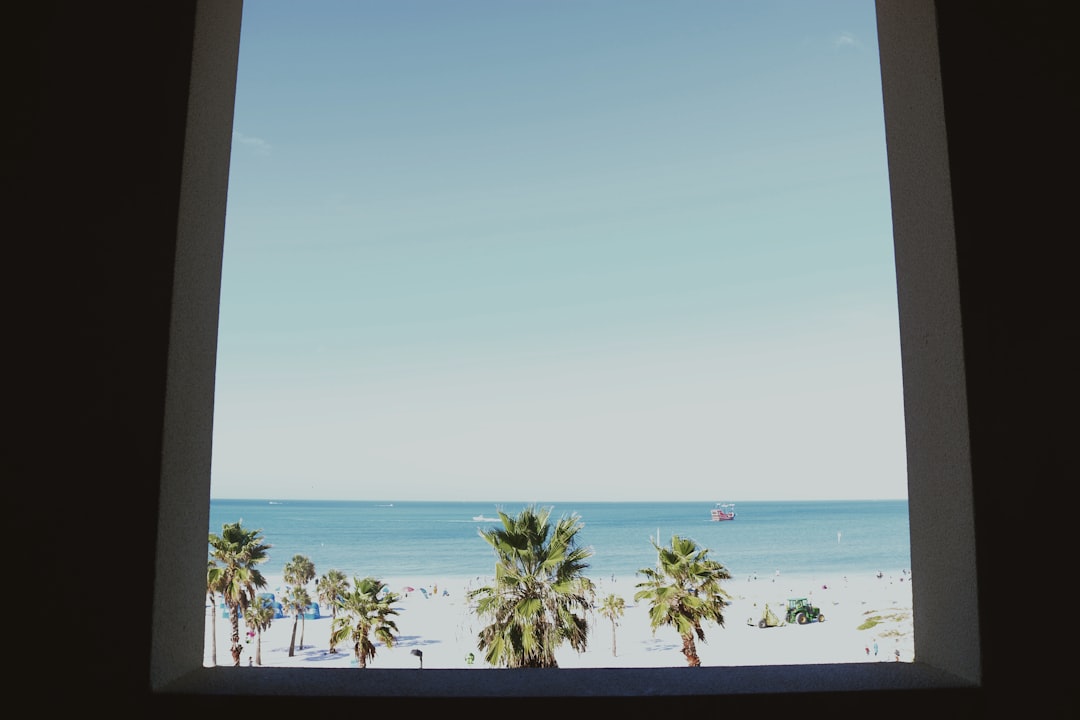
(420, 654)
(409, 588)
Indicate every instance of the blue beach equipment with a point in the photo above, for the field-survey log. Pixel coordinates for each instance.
(271, 600)
(225, 612)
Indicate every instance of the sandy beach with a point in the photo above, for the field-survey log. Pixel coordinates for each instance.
(441, 626)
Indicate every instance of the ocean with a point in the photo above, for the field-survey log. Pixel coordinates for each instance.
(817, 539)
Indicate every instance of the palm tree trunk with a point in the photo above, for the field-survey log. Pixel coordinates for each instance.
(689, 649)
(292, 640)
(613, 638)
(258, 648)
(303, 625)
(213, 629)
(237, 648)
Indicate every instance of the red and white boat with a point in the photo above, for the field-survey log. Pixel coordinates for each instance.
(723, 511)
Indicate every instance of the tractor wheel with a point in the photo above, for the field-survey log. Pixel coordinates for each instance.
(762, 624)
(800, 618)
(821, 618)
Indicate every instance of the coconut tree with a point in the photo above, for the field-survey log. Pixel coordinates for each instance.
(612, 608)
(213, 581)
(237, 552)
(329, 588)
(366, 616)
(684, 591)
(297, 601)
(298, 573)
(258, 617)
(540, 596)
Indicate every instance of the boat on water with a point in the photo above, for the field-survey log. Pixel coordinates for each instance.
(723, 511)
(483, 518)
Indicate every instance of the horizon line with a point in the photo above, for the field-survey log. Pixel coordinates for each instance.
(564, 501)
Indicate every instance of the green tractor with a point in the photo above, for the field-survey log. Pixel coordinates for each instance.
(801, 612)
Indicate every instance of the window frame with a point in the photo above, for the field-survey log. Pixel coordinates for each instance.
(945, 594)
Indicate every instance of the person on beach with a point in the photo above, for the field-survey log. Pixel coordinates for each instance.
(875, 648)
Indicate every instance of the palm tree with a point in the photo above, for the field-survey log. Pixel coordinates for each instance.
(613, 608)
(296, 601)
(540, 595)
(684, 591)
(213, 580)
(298, 573)
(365, 613)
(237, 552)
(330, 587)
(258, 617)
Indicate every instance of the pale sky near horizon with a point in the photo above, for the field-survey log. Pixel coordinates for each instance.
(543, 250)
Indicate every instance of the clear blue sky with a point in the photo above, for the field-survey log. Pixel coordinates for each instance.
(543, 250)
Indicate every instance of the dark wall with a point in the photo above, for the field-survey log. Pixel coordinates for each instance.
(1010, 88)
(98, 154)
(100, 162)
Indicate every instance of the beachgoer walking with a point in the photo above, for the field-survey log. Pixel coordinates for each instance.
(897, 651)
(875, 648)
(867, 649)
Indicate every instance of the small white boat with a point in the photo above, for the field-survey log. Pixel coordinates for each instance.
(723, 511)
(482, 518)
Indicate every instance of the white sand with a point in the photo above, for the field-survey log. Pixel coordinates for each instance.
(444, 629)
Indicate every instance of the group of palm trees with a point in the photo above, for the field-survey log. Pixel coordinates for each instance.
(232, 572)
(538, 601)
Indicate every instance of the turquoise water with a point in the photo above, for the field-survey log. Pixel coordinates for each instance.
(440, 539)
